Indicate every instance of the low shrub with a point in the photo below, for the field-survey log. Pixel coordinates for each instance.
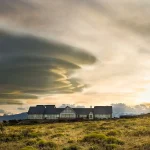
(43, 143)
(26, 132)
(13, 122)
(4, 121)
(113, 140)
(34, 135)
(2, 129)
(103, 141)
(29, 133)
(31, 142)
(10, 137)
(142, 132)
(95, 147)
(104, 128)
(29, 148)
(72, 147)
(144, 146)
(57, 135)
(91, 127)
(95, 138)
(113, 133)
(111, 146)
(70, 141)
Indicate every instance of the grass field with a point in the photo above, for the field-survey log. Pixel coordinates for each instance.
(121, 134)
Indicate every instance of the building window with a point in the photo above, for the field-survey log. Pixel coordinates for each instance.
(67, 115)
(91, 116)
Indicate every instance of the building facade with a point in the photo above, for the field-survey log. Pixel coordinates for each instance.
(51, 112)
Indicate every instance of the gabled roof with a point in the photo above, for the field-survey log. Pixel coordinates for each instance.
(103, 110)
(32, 110)
(83, 111)
(69, 108)
(51, 109)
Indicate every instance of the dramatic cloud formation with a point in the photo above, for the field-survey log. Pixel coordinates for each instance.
(83, 52)
(10, 102)
(32, 66)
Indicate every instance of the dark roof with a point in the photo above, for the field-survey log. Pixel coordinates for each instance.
(31, 110)
(51, 109)
(83, 111)
(42, 106)
(36, 110)
(50, 106)
(59, 110)
(103, 110)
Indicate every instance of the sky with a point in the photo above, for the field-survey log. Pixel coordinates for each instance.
(82, 52)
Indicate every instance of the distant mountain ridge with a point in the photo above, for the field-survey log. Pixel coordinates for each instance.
(14, 117)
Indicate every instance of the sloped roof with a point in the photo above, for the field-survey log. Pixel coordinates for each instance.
(83, 111)
(53, 110)
(31, 110)
(59, 110)
(40, 106)
(103, 110)
(69, 108)
(50, 106)
(49, 110)
(36, 110)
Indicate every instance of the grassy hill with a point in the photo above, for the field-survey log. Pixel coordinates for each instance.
(120, 134)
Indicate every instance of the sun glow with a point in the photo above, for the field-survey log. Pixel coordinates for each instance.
(144, 97)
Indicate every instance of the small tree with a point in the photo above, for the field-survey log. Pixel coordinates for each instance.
(2, 128)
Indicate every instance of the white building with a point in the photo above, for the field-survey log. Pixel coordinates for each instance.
(51, 112)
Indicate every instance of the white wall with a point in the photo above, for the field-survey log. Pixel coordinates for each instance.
(35, 116)
(68, 113)
(102, 116)
(51, 116)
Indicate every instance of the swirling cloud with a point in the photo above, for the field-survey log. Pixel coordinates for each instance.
(10, 102)
(31, 66)
(116, 32)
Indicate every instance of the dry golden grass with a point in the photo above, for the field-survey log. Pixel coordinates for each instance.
(121, 134)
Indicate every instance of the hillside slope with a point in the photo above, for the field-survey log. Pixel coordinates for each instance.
(120, 134)
(14, 117)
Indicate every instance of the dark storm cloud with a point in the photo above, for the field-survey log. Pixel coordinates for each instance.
(30, 46)
(10, 102)
(31, 66)
(17, 96)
